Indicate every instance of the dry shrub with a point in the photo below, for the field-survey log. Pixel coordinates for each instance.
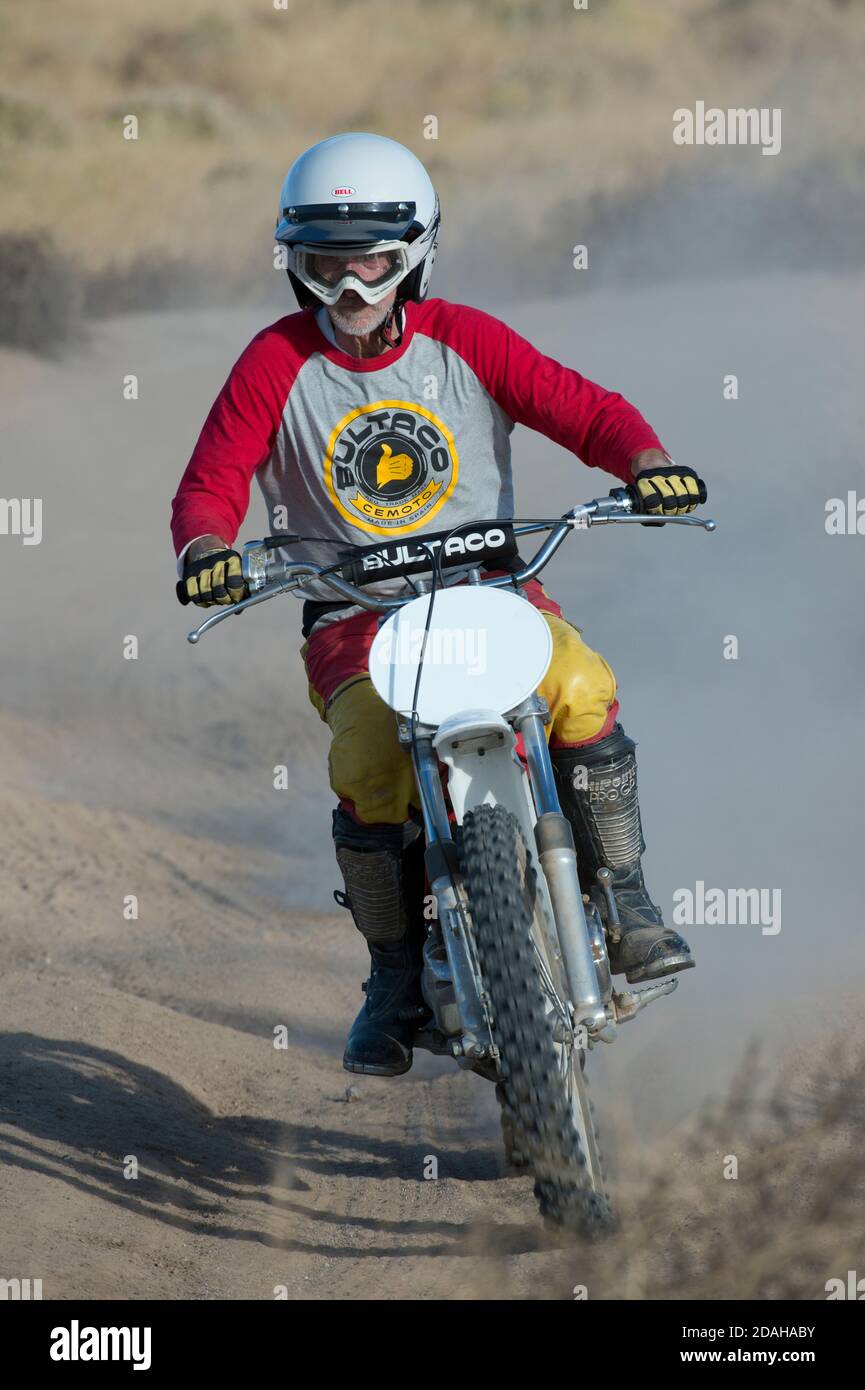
(40, 295)
(790, 1220)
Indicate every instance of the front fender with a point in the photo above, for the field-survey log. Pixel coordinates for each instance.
(478, 747)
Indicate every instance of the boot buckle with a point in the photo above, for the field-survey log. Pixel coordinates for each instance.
(614, 926)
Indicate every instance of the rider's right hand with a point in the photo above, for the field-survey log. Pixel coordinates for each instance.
(213, 577)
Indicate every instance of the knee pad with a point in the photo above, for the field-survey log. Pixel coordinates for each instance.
(579, 686)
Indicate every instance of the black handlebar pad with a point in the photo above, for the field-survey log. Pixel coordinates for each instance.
(487, 544)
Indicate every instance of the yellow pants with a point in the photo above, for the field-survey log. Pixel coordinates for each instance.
(367, 764)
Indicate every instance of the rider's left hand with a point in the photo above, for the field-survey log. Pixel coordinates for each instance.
(671, 490)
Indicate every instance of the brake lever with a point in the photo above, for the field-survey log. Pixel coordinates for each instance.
(594, 513)
(270, 590)
(707, 525)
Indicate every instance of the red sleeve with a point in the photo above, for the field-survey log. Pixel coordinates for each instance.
(599, 426)
(236, 439)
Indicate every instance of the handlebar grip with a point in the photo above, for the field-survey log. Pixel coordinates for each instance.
(636, 503)
(639, 509)
(182, 595)
(633, 496)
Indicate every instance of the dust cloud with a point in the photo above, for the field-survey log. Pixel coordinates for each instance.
(154, 777)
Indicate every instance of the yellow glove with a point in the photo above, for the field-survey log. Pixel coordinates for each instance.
(212, 578)
(670, 491)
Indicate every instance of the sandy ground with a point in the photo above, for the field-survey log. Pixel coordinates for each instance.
(153, 1038)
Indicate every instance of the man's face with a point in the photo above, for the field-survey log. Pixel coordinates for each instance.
(351, 313)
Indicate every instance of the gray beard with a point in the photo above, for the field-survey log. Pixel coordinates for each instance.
(357, 325)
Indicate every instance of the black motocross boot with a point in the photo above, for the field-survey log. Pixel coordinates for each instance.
(598, 793)
(383, 870)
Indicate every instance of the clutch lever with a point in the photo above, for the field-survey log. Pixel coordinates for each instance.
(276, 586)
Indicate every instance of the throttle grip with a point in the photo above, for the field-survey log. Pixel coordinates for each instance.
(639, 508)
(631, 493)
(628, 490)
(637, 501)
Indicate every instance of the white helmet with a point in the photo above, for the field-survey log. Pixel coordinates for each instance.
(358, 193)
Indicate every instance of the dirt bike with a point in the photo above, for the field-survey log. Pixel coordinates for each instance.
(516, 974)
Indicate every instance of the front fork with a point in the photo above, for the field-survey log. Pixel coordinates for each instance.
(462, 973)
(582, 948)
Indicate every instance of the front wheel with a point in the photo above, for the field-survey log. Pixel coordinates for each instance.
(546, 1112)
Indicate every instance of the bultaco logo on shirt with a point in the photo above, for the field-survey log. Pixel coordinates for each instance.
(390, 466)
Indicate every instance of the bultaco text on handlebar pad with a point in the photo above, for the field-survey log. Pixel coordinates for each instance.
(485, 544)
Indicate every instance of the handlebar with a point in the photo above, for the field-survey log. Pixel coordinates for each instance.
(622, 505)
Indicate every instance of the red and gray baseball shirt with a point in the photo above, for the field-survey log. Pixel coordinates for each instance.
(382, 448)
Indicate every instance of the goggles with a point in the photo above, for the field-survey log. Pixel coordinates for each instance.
(371, 271)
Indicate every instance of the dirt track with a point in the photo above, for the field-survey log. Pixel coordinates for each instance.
(153, 1037)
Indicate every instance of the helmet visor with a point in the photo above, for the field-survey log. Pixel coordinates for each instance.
(371, 271)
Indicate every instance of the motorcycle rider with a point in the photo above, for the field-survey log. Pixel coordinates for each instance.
(371, 413)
